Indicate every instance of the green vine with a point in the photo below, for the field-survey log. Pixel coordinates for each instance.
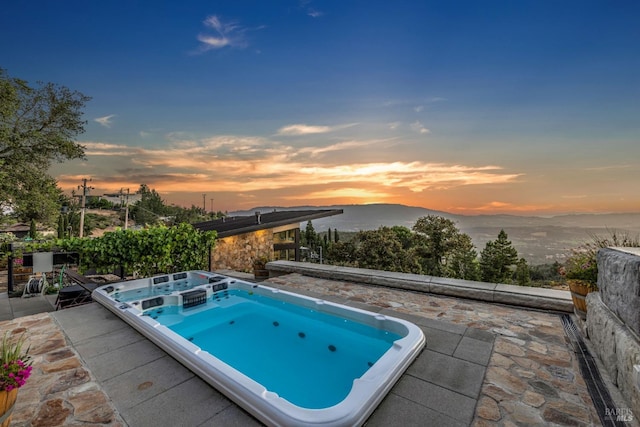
(24, 247)
(146, 252)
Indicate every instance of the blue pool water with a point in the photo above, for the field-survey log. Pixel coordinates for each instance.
(307, 357)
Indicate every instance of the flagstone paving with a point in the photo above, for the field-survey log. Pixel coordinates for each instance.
(61, 390)
(532, 376)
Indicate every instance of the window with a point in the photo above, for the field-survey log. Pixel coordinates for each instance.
(287, 236)
(285, 254)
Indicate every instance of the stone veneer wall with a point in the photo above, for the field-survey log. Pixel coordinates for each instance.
(613, 319)
(238, 252)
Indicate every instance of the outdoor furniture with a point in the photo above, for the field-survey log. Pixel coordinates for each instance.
(78, 294)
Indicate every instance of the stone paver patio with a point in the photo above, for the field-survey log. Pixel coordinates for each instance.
(529, 375)
(61, 390)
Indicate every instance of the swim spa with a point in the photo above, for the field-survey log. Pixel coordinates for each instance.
(287, 359)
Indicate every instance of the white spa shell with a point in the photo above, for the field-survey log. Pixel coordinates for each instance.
(367, 391)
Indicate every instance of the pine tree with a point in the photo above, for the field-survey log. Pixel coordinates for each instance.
(310, 236)
(66, 233)
(61, 227)
(32, 229)
(497, 258)
(523, 275)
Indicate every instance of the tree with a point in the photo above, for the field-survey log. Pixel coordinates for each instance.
(342, 253)
(437, 243)
(382, 250)
(39, 198)
(310, 236)
(38, 126)
(149, 208)
(32, 229)
(61, 229)
(404, 236)
(190, 215)
(497, 258)
(463, 263)
(522, 276)
(546, 272)
(95, 202)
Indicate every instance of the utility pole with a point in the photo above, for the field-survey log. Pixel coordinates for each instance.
(84, 202)
(211, 205)
(126, 208)
(204, 202)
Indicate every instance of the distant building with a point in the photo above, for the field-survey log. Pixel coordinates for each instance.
(273, 235)
(120, 199)
(19, 230)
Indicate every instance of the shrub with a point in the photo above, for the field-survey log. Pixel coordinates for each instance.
(582, 265)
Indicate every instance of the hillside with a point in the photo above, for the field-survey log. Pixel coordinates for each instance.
(538, 239)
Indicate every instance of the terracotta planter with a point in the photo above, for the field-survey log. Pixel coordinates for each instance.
(7, 400)
(260, 273)
(579, 290)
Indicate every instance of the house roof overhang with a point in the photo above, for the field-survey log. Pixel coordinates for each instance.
(232, 226)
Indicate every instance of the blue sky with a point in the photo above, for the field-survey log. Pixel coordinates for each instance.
(526, 107)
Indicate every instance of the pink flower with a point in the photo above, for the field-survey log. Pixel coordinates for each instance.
(16, 364)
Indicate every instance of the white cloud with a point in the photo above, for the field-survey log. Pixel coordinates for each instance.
(215, 23)
(105, 121)
(311, 11)
(303, 129)
(417, 126)
(418, 108)
(212, 42)
(394, 125)
(340, 146)
(107, 149)
(227, 34)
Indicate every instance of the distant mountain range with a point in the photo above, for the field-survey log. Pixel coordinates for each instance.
(538, 239)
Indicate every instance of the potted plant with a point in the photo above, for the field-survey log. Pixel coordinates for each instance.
(15, 368)
(260, 271)
(581, 268)
(581, 272)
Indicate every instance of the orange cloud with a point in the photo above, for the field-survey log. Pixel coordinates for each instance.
(256, 166)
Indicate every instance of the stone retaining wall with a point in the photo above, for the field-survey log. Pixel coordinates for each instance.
(524, 296)
(613, 320)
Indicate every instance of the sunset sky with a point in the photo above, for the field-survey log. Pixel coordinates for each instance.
(522, 107)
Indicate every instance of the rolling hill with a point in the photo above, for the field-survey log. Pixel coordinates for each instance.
(538, 239)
